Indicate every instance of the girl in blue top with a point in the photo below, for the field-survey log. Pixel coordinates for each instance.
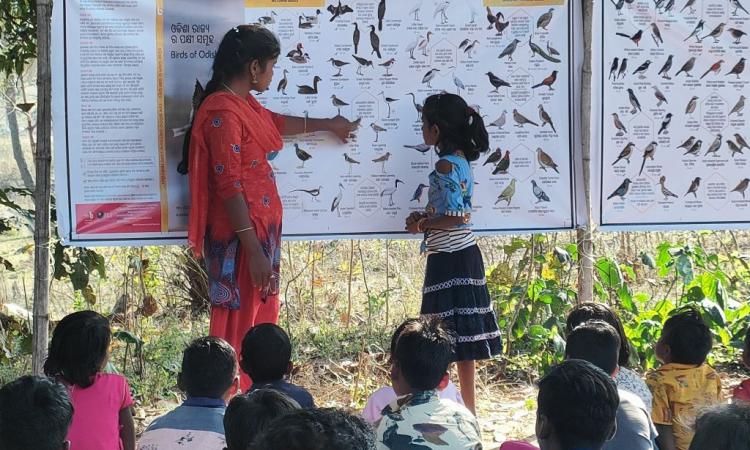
(455, 288)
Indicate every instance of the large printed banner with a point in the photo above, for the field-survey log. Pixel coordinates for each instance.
(673, 130)
(126, 73)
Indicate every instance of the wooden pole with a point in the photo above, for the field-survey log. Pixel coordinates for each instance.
(43, 159)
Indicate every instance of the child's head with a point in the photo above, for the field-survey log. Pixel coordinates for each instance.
(576, 407)
(35, 413)
(450, 124)
(316, 429)
(424, 351)
(724, 427)
(599, 311)
(397, 333)
(79, 348)
(248, 415)
(685, 339)
(597, 342)
(209, 369)
(266, 353)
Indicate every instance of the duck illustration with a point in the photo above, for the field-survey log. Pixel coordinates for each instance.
(304, 25)
(283, 84)
(388, 192)
(300, 59)
(307, 90)
(297, 51)
(267, 20)
(312, 19)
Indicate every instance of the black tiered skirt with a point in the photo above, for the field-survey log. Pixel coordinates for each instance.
(455, 290)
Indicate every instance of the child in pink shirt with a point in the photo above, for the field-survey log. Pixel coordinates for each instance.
(742, 392)
(102, 417)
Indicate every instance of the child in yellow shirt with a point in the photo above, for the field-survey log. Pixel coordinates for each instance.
(684, 384)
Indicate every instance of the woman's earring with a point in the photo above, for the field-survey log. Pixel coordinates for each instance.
(255, 80)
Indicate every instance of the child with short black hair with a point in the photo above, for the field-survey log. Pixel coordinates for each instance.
(684, 383)
(248, 415)
(266, 358)
(35, 413)
(209, 378)
(723, 427)
(742, 392)
(78, 353)
(424, 351)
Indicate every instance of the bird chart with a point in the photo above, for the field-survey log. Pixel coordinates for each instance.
(673, 147)
(375, 62)
(121, 121)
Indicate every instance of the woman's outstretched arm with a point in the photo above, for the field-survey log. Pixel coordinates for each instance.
(339, 126)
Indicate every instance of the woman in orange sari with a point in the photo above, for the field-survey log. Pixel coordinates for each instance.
(235, 213)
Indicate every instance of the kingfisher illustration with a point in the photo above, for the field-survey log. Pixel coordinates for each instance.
(418, 193)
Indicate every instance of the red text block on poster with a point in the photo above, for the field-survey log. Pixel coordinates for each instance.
(103, 218)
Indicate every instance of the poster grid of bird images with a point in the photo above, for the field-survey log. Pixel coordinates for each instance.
(673, 143)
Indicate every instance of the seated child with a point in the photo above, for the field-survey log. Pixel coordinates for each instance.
(209, 378)
(598, 342)
(78, 352)
(684, 384)
(385, 395)
(266, 359)
(35, 413)
(517, 445)
(316, 429)
(420, 361)
(742, 392)
(723, 427)
(248, 415)
(576, 407)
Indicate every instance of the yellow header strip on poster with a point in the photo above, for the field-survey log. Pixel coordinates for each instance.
(284, 3)
(515, 3)
(161, 116)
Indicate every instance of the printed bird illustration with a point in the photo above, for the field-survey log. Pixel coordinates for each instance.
(618, 6)
(522, 120)
(500, 26)
(381, 14)
(195, 101)
(338, 11)
(502, 166)
(507, 193)
(356, 34)
(464, 43)
(549, 81)
(493, 157)
(738, 107)
(692, 103)
(737, 6)
(693, 189)
(459, 84)
(625, 153)
(687, 67)
(421, 148)
(656, 34)
(545, 19)
(742, 186)
(297, 51)
(540, 195)
(688, 143)
(338, 103)
(621, 190)
(641, 70)
(387, 65)
(440, 9)
(665, 124)
(668, 7)
(307, 90)
(633, 102)
(336, 203)
(664, 71)
(741, 141)
(500, 121)
(734, 148)
(469, 49)
(551, 50)
(363, 62)
(648, 153)
(509, 50)
(375, 42)
(417, 106)
(350, 161)
(301, 154)
(738, 68)
(496, 81)
(689, 4)
(715, 33)
(377, 129)
(613, 69)
(715, 68)
(698, 29)
(537, 50)
(267, 20)
(300, 59)
(545, 118)
(694, 149)
(635, 37)
(664, 191)
(302, 24)
(414, 11)
(715, 146)
(388, 101)
(659, 96)
(619, 125)
(417, 196)
(492, 17)
(281, 87)
(314, 193)
(388, 192)
(337, 64)
(736, 34)
(424, 43)
(427, 78)
(545, 160)
(312, 19)
(382, 160)
(411, 47)
(623, 68)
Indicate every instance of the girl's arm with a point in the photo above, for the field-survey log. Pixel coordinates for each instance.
(666, 437)
(338, 125)
(127, 428)
(436, 222)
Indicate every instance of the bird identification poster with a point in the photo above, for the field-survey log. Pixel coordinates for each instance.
(131, 70)
(673, 140)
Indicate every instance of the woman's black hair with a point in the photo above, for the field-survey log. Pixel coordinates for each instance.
(598, 311)
(461, 127)
(241, 45)
(78, 349)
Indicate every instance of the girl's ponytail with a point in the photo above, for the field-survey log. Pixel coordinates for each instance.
(479, 137)
(461, 127)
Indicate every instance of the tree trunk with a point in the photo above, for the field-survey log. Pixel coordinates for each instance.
(15, 140)
(585, 235)
(43, 158)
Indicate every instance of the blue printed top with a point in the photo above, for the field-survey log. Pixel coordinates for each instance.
(450, 193)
